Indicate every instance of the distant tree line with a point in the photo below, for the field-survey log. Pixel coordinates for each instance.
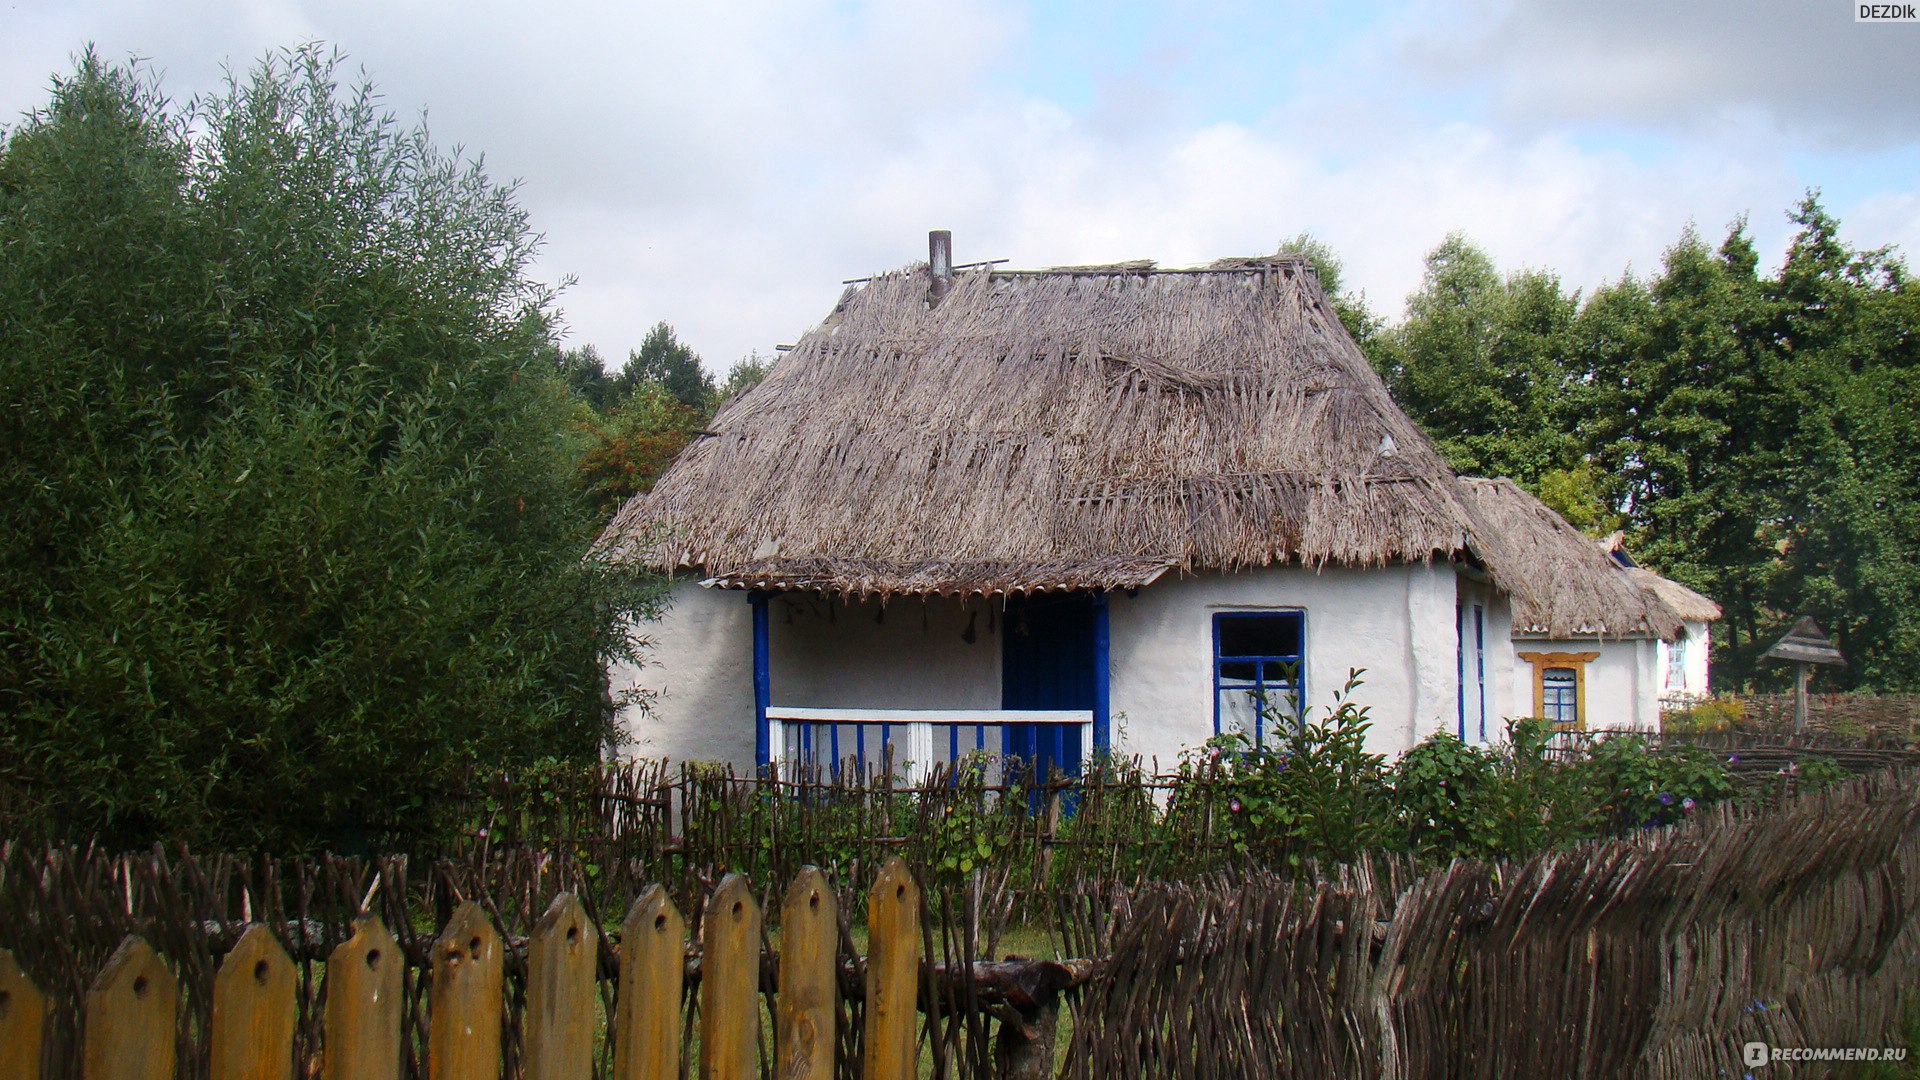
(639, 418)
(1756, 434)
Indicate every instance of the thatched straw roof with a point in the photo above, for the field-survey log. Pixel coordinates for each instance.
(1080, 428)
(1562, 584)
(1684, 602)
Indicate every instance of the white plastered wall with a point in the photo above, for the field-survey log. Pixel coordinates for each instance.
(699, 668)
(1490, 697)
(1693, 663)
(907, 654)
(1622, 683)
(1396, 622)
(699, 675)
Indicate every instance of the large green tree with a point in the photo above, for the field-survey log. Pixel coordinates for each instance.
(1479, 360)
(664, 359)
(290, 537)
(1754, 433)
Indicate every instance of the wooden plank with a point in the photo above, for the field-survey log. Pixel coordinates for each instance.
(463, 1032)
(653, 958)
(129, 1027)
(363, 1005)
(890, 1044)
(23, 1021)
(730, 983)
(563, 958)
(253, 1010)
(808, 1003)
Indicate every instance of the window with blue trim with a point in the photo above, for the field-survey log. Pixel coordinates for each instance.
(1256, 659)
(1560, 691)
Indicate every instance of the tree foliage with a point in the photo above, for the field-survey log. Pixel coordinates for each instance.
(290, 535)
(1753, 432)
(664, 359)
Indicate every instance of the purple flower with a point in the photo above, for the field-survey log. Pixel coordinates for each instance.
(1687, 803)
(1666, 798)
(1234, 806)
(1733, 759)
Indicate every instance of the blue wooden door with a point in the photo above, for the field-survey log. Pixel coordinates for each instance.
(1047, 663)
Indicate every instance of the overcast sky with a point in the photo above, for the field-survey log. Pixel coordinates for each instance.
(724, 166)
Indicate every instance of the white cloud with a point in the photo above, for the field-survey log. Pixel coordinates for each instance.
(723, 168)
(1808, 67)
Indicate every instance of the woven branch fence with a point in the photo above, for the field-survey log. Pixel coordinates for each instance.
(1860, 716)
(1790, 919)
(1658, 956)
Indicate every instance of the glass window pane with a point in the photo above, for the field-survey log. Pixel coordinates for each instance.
(1237, 670)
(1262, 633)
(1559, 692)
(1237, 713)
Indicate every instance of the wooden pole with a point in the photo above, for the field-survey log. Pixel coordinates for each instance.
(1800, 675)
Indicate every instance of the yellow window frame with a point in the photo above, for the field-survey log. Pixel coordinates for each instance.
(1578, 661)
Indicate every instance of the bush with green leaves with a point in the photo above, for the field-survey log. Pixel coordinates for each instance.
(1314, 794)
(290, 539)
(1635, 786)
(1442, 789)
(1312, 791)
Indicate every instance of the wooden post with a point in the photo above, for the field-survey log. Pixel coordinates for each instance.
(463, 1033)
(253, 1007)
(129, 1030)
(653, 957)
(1023, 1048)
(809, 998)
(363, 1005)
(890, 1046)
(1801, 672)
(23, 1020)
(563, 958)
(730, 983)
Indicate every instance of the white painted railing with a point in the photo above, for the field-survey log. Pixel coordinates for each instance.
(920, 737)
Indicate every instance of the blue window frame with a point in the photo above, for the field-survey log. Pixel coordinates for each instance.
(1257, 659)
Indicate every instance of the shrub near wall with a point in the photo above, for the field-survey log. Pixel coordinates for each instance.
(1315, 794)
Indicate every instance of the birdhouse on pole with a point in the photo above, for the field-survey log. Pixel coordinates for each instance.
(1804, 645)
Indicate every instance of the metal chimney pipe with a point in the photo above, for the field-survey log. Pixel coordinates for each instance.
(939, 264)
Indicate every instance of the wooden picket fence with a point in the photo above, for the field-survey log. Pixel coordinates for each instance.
(132, 1010)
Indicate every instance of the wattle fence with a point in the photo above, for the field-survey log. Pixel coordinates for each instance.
(1657, 956)
(1878, 718)
(1793, 921)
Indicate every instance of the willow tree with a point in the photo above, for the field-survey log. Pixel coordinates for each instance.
(289, 536)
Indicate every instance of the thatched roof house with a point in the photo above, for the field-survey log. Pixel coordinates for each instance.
(1684, 603)
(1599, 639)
(1085, 428)
(1562, 585)
(1056, 511)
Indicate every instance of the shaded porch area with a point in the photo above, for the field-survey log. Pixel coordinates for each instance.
(917, 683)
